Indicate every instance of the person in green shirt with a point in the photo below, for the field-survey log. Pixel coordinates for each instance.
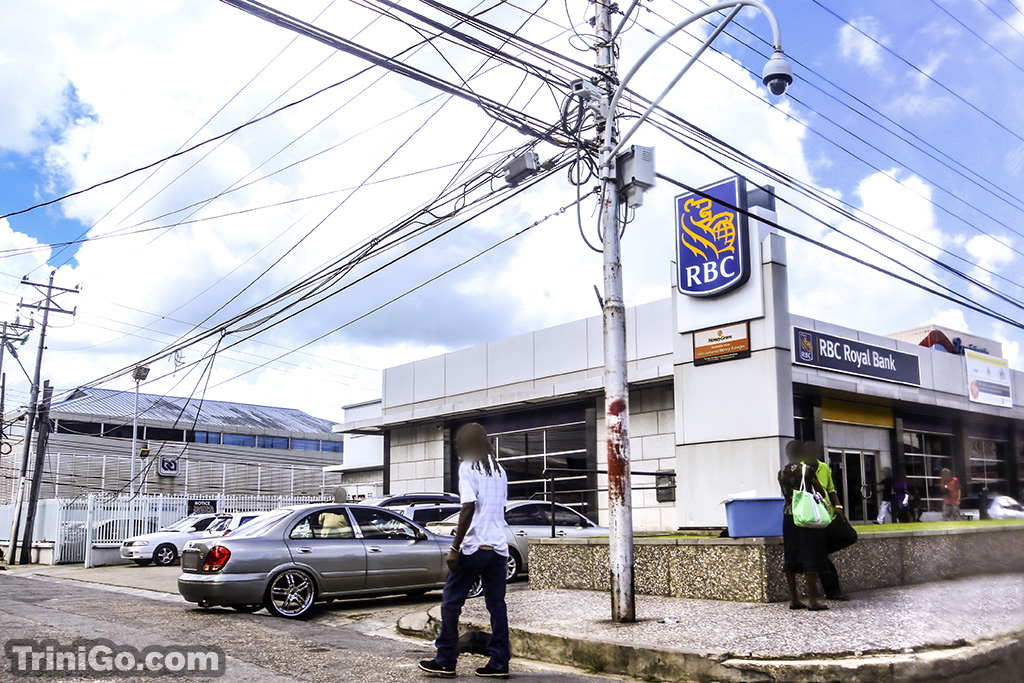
(830, 578)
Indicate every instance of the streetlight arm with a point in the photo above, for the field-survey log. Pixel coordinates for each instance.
(608, 151)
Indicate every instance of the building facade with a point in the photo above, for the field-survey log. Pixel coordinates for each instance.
(719, 385)
(185, 447)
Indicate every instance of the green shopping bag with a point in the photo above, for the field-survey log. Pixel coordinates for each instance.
(809, 510)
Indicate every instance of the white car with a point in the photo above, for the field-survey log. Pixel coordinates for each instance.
(163, 547)
(1005, 507)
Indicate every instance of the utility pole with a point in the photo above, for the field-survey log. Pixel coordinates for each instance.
(37, 473)
(616, 383)
(30, 415)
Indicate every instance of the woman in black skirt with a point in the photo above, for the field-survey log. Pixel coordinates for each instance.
(805, 549)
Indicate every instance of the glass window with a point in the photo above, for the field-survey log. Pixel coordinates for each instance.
(248, 440)
(526, 515)
(118, 431)
(332, 523)
(987, 462)
(926, 456)
(305, 445)
(332, 446)
(273, 442)
(260, 525)
(203, 523)
(162, 434)
(378, 524)
(427, 515)
(527, 454)
(87, 428)
(206, 437)
(563, 517)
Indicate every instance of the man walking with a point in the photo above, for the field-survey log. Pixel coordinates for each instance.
(479, 551)
(885, 488)
(950, 496)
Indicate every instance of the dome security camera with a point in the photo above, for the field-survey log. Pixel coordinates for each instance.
(778, 74)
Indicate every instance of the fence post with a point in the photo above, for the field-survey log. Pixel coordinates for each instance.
(89, 509)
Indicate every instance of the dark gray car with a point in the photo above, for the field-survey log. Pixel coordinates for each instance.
(292, 557)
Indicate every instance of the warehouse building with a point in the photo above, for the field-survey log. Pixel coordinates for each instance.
(185, 447)
(720, 382)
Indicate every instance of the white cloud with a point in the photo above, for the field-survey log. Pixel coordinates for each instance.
(989, 252)
(855, 46)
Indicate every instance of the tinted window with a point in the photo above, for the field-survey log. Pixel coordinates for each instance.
(203, 523)
(563, 517)
(378, 524)
(525, 515)
(332, 446)
(273, 442)
(260, 525)
(431, 514)
(240, 440)
(305, 445)
(324, 524)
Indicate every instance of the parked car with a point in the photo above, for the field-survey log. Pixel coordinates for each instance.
(404, 499)
(226, 522)
(164, 546)
(527, 519)
(290, 558)
(425, 513)
(1005, 507)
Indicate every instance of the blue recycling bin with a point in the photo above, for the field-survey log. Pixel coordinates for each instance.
(754, 517)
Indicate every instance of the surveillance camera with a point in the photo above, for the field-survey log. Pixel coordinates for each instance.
(585, 90)
(778, 74)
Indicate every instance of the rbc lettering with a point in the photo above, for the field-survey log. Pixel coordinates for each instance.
(710, 272)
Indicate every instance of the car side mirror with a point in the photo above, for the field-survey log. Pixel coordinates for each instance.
(421, 535)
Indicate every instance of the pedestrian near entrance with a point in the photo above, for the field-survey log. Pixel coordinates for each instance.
(804, 548)
(950, 496)
(885, 491)
(479, 551)
(839, 533)
(900, 498)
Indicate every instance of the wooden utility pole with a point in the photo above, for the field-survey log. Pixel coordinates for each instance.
(46, 306)
(43, 422)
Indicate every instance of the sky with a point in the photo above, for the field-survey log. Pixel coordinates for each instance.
(909, 112)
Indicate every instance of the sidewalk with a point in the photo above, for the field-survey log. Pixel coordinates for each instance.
(156, 579)
(964, 630)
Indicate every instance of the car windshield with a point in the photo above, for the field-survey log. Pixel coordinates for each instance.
(259, 525)
(453, 519)
(219, 524)
(183, 523)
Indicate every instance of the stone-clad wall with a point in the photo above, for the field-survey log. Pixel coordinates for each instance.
(417, 458)
(750, 569)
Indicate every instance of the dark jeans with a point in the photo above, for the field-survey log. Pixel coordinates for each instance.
(491, 567)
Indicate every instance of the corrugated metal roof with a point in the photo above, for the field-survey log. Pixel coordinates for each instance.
(213, 414)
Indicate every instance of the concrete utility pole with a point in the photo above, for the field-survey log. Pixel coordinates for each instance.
(30, 415)
(616, 383)
(777, 76)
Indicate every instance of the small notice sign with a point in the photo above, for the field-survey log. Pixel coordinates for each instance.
(718, 344)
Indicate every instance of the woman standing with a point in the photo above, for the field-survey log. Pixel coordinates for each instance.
(805, 549)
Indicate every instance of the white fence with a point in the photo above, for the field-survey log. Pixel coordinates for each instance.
(78, 525)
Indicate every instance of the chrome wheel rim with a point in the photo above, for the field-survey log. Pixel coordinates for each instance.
(292, 593)
(477, 589)
(164, 555)
(511, 567)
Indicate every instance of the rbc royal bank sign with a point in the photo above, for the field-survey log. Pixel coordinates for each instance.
(826, 351)
(712, 243)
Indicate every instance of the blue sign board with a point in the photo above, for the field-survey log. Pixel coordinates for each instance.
(828, 352)
(712, 242)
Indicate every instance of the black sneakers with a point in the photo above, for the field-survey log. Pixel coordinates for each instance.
(432, 667)
(490, 672)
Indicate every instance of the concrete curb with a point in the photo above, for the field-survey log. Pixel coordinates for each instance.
(993, 660)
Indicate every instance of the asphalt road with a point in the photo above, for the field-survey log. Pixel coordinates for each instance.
(349, 641)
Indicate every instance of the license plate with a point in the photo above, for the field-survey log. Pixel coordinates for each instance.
(190, 560)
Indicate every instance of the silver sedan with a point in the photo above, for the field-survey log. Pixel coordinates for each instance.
(292, 557)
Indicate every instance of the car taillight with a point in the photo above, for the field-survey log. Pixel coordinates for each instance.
(216, 558)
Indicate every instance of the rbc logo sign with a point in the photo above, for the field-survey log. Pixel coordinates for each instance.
(711, 239)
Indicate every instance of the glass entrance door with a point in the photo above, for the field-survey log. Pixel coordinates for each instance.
(856, 478)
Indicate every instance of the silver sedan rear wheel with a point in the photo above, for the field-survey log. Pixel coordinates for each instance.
(291, 594)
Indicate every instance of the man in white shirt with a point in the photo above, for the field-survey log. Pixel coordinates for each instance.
(479, 551)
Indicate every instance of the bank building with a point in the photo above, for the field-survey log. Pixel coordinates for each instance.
(720, 381)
